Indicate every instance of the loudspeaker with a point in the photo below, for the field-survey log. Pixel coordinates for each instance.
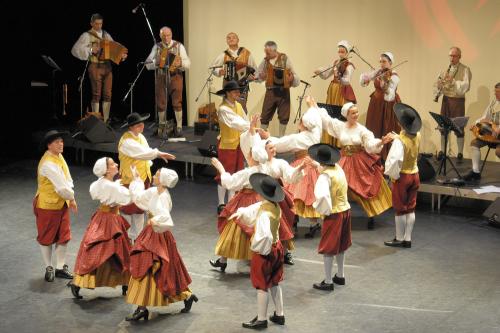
(208, 144)
(425, 169)
(96, 131)
(492, 213)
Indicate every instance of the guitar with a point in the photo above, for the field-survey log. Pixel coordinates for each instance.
(485, 131)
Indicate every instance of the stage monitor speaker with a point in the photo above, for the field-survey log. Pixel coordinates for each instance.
(96, 131)
(208, 144)
(492, 213)
(425, 169)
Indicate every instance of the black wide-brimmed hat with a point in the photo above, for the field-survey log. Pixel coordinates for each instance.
(267, 187)
(229, 86)
(324, 153)
(51, 136)
(135, 118)
(408, 118)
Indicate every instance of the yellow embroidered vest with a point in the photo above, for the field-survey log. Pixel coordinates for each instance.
(273, 80)
(338, 189)
(126, 161)
(274, 213)
(47, 195)
(410, 145)
(230, 138)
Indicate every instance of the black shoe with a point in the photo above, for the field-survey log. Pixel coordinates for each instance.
(460, 157)
(255, 324)
(394, 243)
(371, 224)
(220, 208)
(64, 273)
(75, 290)
(138, 314)
(312, 230)
(440, 155)
(323, 286)
(289, 259)
(471, 175)
(280, 320)
(124, 290)
(49, 274)
(338, 280)
(407, 244)
(188, 303)
(178, 133)
(217, 263)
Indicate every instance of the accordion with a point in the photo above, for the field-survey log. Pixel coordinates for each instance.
(236, 71)
(168, 58)
(111, 50)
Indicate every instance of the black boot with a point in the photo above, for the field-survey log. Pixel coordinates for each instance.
(124, 290)
(323, 286)
(75, 290)
(255, 324)
(371, 224)
(64, 273)
(217, 263)
(289, 259)
(188, 303)
(394, 243)
(138, 314)
(49, 274)
(312, 230)
(280, 320)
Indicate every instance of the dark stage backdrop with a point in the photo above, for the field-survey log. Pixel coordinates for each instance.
(55, 26)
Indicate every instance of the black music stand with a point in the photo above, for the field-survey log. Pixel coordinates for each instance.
(334, 111)
(55, 68)
(446, 125)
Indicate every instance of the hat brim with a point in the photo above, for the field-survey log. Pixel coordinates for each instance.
(334, 154)
(222, 92)
(45, 141)
(140, 120)
(256, 182)
(399, 110)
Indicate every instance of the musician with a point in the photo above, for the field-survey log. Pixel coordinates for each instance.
(491, 114)
(277, 70)
(453, 84)
(380, 119)
(340, 90)
(169, 58)
(87, 47)
(54, 197)
(235, 63)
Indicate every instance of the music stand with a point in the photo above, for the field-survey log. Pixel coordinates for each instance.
(334, 111)
(446, 125)
(55, 68)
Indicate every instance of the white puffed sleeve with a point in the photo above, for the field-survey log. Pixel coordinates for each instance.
(346, 78)
(151, 61)
(390, 92)
(248, 215)
(232, 120)
(463, 86)
(81, 49)
(137, 151)
(110, 193)
(237, 180)
(394, 160)
(289, 174)
(62, 186)
(323, 202)
(162, 220)
(370, 143)
(262, 241)
(140, 196)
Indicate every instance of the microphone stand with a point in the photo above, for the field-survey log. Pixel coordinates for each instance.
(298, 115)
(80, 85)
(360, 57)
(132, 85)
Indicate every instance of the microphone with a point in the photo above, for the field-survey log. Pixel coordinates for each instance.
(215, 67)
(137, 8)
(304, 82)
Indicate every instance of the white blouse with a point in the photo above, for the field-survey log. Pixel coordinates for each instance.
(158, 205)
(344, 80)
(110, 193)
(238, 180)
(279, 168)
(390, 92)
(297, 142)
(323, 202)
(81, 49)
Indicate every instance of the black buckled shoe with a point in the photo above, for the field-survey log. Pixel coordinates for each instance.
(220, 208)
(371, 224)
(49, 274)
(323, 286)
(124, 290)
(312, 230)
(289, 259)
(394, 243)
(188, 303)
(75, 290)
(178, 133)
(64, 273)
(280, 320)
(138, 314)
(339, 280)
(218, 264)
(255, 324)
(471, 175)
(407, 244)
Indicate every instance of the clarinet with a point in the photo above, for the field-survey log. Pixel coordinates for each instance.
(440, 90)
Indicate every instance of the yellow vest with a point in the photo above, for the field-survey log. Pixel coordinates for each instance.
(230, 138)
(126, 161)
(338, 189)
(274, 213)
(410, 145)
(47, 195)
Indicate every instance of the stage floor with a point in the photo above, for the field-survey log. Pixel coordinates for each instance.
(447, 282)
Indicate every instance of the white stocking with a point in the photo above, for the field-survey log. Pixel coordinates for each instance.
(277, 296)
(460, 144)
(230, 195)
(328, 265)
(178, 118)
(221, 193)
(46, 254)
(476, 158)
(262, 301)
(340, 258)
(61, 255)
(282, 130)
(410, 221)
(137, 224)
(400, 227)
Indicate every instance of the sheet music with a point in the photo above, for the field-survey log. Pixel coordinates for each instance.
(487, 189)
